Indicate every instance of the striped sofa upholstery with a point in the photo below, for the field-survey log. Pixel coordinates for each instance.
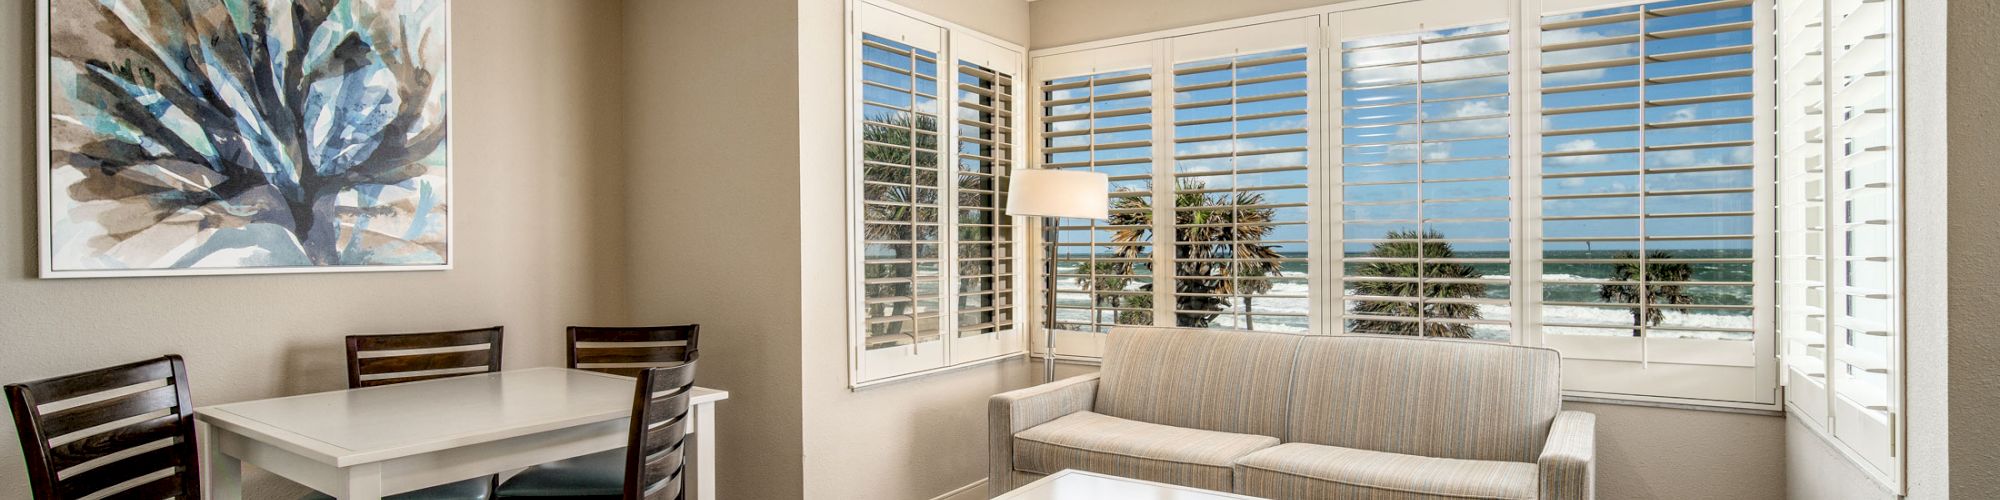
(1216, 380)
(1302, 416)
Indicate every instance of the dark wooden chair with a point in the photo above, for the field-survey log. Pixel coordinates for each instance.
(374, 360)
(378, 360)
(627, 351)
(656, 451)
(68, 421)
(630, 350)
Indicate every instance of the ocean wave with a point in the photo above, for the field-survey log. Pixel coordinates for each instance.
(1615, 321)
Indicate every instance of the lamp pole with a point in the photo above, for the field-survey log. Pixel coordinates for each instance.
(1049, 235)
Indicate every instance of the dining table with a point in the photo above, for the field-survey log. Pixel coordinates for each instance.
(369, 443)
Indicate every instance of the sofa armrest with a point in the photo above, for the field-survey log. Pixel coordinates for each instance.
(1011, 412)
(1568, 462)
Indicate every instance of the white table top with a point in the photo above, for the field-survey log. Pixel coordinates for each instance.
(1071, 484)
(355, 426)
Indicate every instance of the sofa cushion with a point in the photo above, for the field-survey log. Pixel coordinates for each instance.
(1128, 448)
(1300, 470)
(1219, 380)
(1427, 397)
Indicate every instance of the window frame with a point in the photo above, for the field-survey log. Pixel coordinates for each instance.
(1515, 117)
(956, 43)
(1763, 360)
(1819, 405)
(1758, 389)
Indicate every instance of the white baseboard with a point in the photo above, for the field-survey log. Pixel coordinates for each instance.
(974, 491)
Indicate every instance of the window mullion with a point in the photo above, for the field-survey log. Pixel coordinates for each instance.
(1166, 240)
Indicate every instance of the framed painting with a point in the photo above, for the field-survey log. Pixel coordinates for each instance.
(183, 137)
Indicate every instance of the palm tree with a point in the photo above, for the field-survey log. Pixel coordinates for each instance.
(895, 179)
(1656, 292)
(1227, 248)
(1405, 245)
(1114, 276)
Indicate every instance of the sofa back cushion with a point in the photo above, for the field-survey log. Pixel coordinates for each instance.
(1219, 380)
(1434, 398)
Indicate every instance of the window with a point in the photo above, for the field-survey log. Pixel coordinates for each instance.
(1840, 227)
(1208, 140)
(987, 247)
(934, 140)
(1590, 175)
(1426, 169)
(1652, 198)
(1103, 123)
(1242, 246)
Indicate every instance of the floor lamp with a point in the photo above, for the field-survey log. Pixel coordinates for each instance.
(1052, 194)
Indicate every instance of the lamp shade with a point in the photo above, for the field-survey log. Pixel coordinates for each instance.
(1058, 193)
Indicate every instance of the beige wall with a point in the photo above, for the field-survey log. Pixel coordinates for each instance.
(915, 439)
(1647, 453)
(1973, 107)
(537, 238)
(714, 222)
(1055, 23)
(1816, 471)
(1003, 19)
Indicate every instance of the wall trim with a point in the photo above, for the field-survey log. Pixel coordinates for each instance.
(967, 492)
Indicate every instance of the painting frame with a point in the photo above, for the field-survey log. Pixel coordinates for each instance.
(44, 217)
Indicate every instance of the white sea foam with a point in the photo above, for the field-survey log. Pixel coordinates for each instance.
(1612, 318)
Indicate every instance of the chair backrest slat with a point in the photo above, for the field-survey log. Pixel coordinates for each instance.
(111, 474)
(374, 360)
(629, 350)
(164, 487)
(70, 386)
(89, 448)
(666, 490)
(665, 437)
(110, 432)
(654, 454)
(62, 422)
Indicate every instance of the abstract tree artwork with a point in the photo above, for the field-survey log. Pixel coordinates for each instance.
(244, 136)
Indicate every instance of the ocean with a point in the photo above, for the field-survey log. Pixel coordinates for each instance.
(1693, 322)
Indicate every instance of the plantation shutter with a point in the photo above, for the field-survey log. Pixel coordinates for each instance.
(902, 193)
(1802, 190)
(1241, 180)
(1654, 163)
(988, 284)
(1426, 190)
(1866, 227)
(1096, 114)
(1845, 359)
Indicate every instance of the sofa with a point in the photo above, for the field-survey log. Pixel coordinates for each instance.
(1286, 416)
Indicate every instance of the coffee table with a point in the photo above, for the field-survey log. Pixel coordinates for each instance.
(1072, 484)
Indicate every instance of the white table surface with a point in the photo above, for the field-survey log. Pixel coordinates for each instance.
(1071, 484)
(378, 441)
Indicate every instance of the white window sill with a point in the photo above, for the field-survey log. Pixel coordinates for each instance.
(870, 384)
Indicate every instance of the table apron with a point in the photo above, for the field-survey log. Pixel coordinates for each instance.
(457, 464)
(416, 472)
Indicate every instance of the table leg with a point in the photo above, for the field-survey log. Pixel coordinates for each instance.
(700, 479)
(364, 482)
(225, 473)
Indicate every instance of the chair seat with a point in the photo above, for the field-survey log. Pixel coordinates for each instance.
(1303, 470)
(599, 474)
(1129, 448)
(478, 488)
